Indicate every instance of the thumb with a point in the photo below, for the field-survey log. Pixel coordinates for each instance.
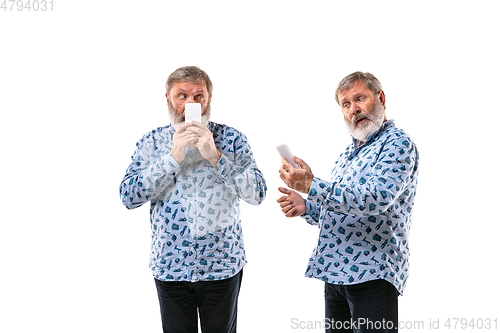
(300, 162)
(284, 190)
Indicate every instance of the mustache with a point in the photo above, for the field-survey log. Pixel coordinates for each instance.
(358, 117)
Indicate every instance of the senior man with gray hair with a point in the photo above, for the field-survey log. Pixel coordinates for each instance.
(194, 175)
(363, 212)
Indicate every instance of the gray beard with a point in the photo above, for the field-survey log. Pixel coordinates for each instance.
(372, 123)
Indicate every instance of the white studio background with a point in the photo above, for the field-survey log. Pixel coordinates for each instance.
(79, 85)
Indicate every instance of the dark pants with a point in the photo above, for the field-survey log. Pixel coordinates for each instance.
(216, 302)
(366, 307)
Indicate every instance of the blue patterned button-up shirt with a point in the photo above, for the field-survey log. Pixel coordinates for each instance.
(364, 212)
(194, 214)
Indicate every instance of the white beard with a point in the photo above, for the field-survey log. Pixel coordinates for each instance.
(372, 123)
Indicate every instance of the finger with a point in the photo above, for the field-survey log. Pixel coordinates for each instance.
(286, 170)
(187, 136)
(193, 128)
(282, 198)
(281, 171)
(186, 142)
(186, 133)
(300, 162)
(283, 178)
(182, 128)
(192, 140)
(285, 201)
(197, 124)
(290, 213)
(198, 128)
(286, 206)
(284, 190)
(285, 164)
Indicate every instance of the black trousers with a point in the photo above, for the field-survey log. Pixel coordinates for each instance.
(366, 307)
(215, 301)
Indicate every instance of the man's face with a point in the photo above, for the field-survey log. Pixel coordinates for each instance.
(183, 92)
(363, 112)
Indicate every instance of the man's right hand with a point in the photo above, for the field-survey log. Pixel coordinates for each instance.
(182, 138)
(292, 204)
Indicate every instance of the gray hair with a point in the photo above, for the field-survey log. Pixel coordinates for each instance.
(190, 74)
(370, 81)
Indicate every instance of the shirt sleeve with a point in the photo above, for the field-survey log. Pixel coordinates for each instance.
(148, 175)
(312, 212)
(375, 191)
(241, 176)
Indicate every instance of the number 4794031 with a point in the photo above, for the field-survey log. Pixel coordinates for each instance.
(474, 323)
(27, 5)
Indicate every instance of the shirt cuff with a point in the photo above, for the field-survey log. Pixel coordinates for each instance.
(309, 208)
(224, 169)
(170, 165)
(315, 190)
(220, 167)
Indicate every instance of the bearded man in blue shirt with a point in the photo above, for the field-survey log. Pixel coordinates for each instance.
(194, 175)
(363, 212)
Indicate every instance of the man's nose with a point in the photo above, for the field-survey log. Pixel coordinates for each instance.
(355, 109)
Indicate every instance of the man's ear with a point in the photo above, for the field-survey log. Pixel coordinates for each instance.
(166, 95)
(381, 97)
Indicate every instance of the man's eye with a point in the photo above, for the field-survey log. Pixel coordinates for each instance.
(361, 99)
(346, 105)
(199, 97)
(182, 96)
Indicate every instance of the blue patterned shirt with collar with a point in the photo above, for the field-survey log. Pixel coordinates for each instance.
(364, 211)
(194, 212)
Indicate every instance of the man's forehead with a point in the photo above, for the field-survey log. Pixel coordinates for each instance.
(190, 85)
(356, 88)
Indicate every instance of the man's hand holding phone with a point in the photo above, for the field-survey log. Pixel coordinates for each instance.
(205, 142)
(182, 137)
(194, 134)
(298, 177)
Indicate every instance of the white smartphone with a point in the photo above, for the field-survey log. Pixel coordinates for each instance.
(287, 155)
(192, 111)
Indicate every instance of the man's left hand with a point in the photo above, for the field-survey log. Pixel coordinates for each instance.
(205, 143)
(297, 179)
